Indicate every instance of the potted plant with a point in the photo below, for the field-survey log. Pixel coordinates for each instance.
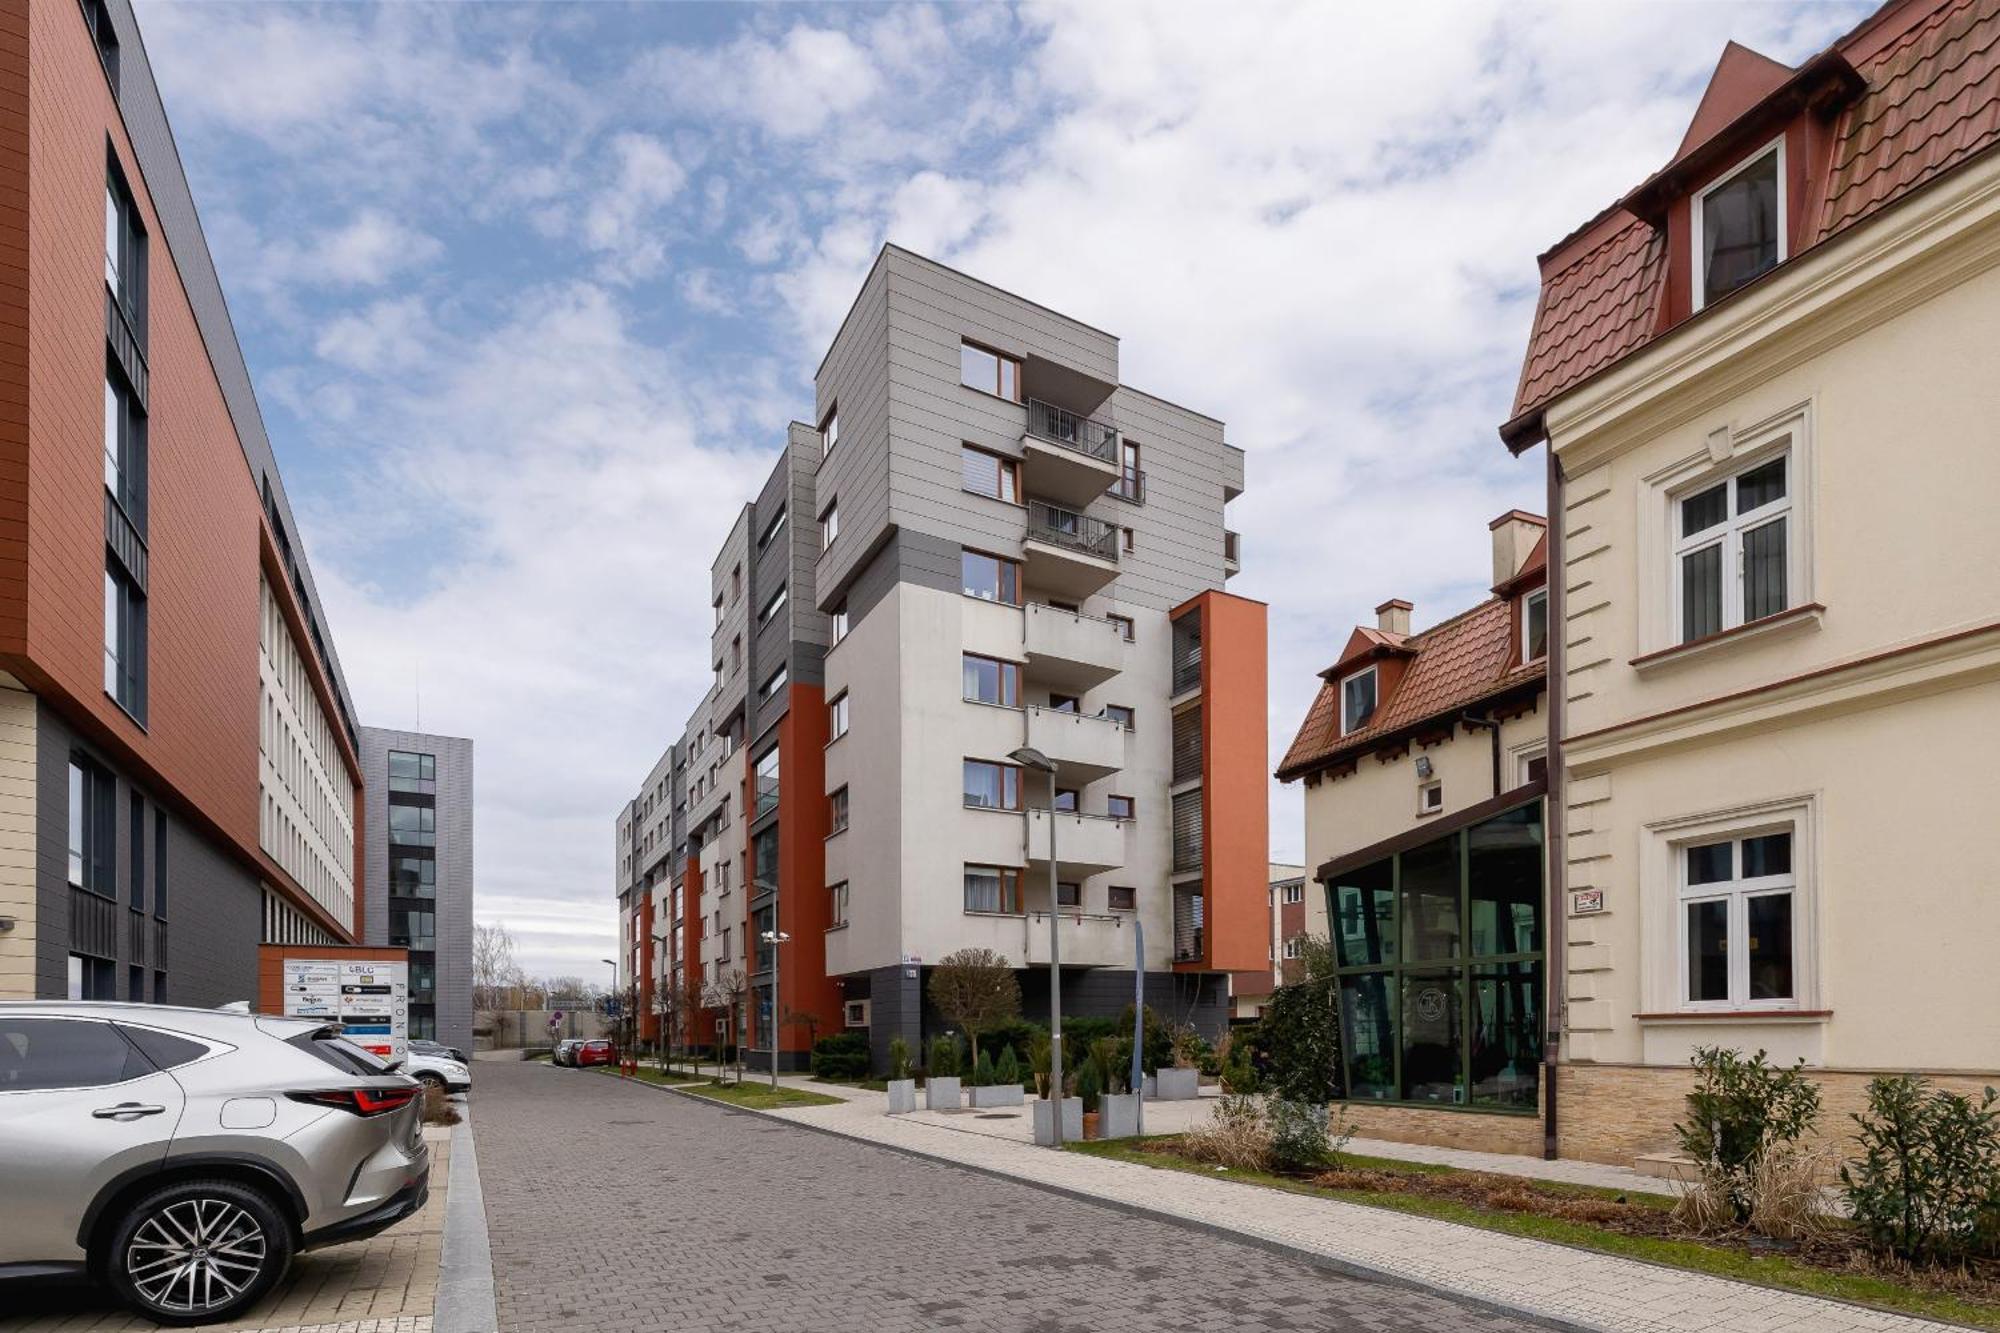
(902, 1088)
(1069, 1107)
(997, 1083)
(1182, 1082)
(1117, 1109)
(1089, 1089)
(941, 1086)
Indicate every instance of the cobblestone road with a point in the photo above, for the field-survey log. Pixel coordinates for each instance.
(621, 1208)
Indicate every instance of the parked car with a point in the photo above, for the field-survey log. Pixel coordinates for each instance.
(439, 1048)
(437, 1071)
(183, 1156)
(565, 1052)
(595, 1052)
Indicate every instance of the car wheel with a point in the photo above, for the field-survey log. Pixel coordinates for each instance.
(430, 1080)
(197, 1252)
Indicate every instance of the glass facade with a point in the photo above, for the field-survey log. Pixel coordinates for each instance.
(413, 879)
(1439, 951)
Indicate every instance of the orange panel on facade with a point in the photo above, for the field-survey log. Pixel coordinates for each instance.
(1236, 811)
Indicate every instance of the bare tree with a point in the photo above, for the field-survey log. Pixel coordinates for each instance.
(726, 992)
(975, 989)
(492, 964)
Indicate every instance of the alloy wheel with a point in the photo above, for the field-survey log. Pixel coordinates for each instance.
(196, 1254)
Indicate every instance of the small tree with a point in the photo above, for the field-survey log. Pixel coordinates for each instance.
(975, 989)
(1740, 1109)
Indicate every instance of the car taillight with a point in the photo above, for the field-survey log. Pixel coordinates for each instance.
(360, 1101)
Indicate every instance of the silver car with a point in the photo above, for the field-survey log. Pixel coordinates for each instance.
(183, 1156)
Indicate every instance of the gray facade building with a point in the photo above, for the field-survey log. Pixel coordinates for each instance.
(419, 838)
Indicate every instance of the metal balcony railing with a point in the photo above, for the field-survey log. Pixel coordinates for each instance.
(1084, 435)
(1188, 924)
(1067, 528)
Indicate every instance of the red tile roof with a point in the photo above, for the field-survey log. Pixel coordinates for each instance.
(1930, 101)
(1457, 664)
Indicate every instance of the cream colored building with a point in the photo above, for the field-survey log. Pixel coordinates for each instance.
(1774, 466)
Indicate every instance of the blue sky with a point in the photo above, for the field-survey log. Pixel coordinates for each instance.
(530, 292)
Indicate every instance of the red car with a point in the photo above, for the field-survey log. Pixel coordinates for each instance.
(598, 1052)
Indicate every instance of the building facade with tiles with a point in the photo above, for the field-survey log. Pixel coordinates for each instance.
(1763, 379)
(177, 745)
(1423, 759)
(987, 544)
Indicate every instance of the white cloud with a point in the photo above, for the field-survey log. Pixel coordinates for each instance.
(790, 85)
(622, 221)
(385, 335)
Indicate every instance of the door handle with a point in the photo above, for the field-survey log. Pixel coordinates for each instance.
(126, 1111)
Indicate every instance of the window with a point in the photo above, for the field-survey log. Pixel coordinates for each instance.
(991, 681)
(98, 14)
(1439, 951)
(989, 372)
(840, 623)
(775, 684)
(412, 772)
(1295, 947)
(1357, 700)
(735, 585)
(1131, 481)
(413, 876)
(1068, 799)
(413, 825)
(836, 811)
(44, 1053)
(993, 889)
(125, 448)
(829, 431)
(1122, 898)
(829, 526)
(767, 777)
(836, 717)
(837, 907)
(160, 883)
(138, 867)
(1294, 894)
(774, 605)
(718, 610)
(991, 786)
(1069, 895)
(1535, 625)
(1120, 714)
(1121, 807)
(1430, 798)
(92, 978)
(1737, 931)
(772, 529)
(990, 578)
(412, 928)
(989, 474)
(1127, 539)
(1731, 549)
(1738, 226)
(124, 251)
(124, 639)
(1126, 630)
(92, 831)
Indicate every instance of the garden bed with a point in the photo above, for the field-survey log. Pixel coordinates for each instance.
(1638, 1226)
(758, 1096)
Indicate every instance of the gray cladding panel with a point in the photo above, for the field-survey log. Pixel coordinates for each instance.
(856, 474)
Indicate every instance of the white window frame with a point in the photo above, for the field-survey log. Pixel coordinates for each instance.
(836, 715)
(1425, 790)
(777, 681)
(1729, 536)
(839, 623)
(829, 527)
(1345, 681)
(1666, 894)
(1527, 607)
(1294, 894)
(775, 604)
(1697, 279)
(829, 432)
(1726, 453)
(1736, 893)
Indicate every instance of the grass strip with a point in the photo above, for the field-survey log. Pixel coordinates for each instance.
(758, 1096)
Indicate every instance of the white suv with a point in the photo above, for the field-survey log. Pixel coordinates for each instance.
(437, 1071)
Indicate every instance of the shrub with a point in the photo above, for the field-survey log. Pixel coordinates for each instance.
(1186, 1047)
(1298, 1133)
(944, 1057)
(1038, 1060)
(843, 1055)
(982, 1070)
(1739, 1110)
(1238, 1067)
(1786, 1199)
(1007, 1069)
(1237, 1135)
(1299, 1034)
(1111, 1058)
(1927, 1185)
(1089, 1084)
(438, 1109)
(1080, 1033)
(899, 1058)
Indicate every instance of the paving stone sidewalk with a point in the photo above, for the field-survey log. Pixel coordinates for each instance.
(1536, 1278)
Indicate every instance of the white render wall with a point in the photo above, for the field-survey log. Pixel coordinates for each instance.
(306, 798)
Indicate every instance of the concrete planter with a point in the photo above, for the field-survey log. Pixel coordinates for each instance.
(941, 1094)
(1150, 1086)
(1045, 1120)
(902, 1096)
(1118, 1117)
(1000, 1094)
(1177, 1085)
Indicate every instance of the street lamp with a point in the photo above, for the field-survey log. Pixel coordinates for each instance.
(774, 938)
(1029, 757)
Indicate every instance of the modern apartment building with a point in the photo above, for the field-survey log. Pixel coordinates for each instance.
(985, 545)
(1293, 917)
(177, 746)
(419, 838)
(1764, 382)
(1424, 760)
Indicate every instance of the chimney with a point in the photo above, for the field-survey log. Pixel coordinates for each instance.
(1393, 617)
(1514, 536)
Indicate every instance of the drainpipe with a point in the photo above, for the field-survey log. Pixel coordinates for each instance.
(1552, 811)
(1492, 729)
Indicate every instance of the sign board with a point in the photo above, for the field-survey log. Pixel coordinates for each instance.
(1585, 901)
(370, 1001)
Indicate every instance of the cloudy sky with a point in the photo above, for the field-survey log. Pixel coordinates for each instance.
(530, 292)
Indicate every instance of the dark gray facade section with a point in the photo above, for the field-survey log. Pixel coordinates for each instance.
(207, 941)
(907, 556)
(454, 902)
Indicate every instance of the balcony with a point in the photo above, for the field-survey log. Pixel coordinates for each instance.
(1089, 939)
(1232, 552)
(1085, 845)
(1068, 457)
(1087, 748)
(1072, 651)
(1068, 554)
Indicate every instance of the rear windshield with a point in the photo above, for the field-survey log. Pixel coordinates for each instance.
(328, 1045)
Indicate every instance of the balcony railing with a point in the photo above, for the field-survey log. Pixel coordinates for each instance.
(1188, 926)
(1073, 531)
(1084, 435)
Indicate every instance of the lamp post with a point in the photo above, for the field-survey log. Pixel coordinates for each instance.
(1029, 757)
(774, 938)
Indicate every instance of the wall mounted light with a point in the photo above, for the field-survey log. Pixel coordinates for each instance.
(6, 924)
(1423, 768)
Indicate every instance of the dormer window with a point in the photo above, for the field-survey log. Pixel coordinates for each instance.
(1535, 625)
(1739, 226)
(1357, 700)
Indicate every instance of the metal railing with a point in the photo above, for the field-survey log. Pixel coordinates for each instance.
(1067, 528)
(1073, 431)
(1188, 926)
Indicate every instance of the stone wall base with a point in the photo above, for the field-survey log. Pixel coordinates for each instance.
(1520, 1135)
